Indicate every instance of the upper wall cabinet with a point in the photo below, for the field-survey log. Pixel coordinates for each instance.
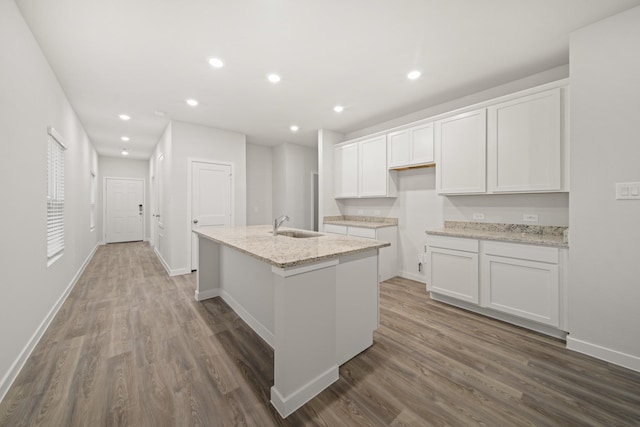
(461, 153)
(345, 168)
(361, 169)
(411, 147)
(515, 144)
(524, 150)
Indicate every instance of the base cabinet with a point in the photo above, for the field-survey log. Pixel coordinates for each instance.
(527, 286)
(387, 257)
(452, 268)
(525, 282)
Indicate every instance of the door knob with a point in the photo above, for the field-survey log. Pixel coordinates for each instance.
(195, 221)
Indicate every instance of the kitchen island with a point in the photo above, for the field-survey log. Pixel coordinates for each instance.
(312, 297)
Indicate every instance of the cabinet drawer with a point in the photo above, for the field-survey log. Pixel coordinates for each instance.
(369, 233)
(528, 252)
(335, 229)
(454, 243)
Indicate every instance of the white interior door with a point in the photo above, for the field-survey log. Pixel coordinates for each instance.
(124, 210)
(210, 200)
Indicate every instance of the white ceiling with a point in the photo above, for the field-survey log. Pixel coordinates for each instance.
(141, 56)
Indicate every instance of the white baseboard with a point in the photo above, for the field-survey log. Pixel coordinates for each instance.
(179, 271)
(18, 364)
(413, 276)
(211, 293)
(613, 356)
(258, 327)
(286, 405)
(171, 272)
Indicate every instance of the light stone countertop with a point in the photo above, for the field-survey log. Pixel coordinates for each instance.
(282, 251)
(515, 233)
(361, 221)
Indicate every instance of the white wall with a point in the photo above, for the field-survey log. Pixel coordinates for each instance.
(181, 143)
(160, 176)
(604, 292)
(115, 167)
(327, 205)
(292, 168)
(259, 184)
(31, 100)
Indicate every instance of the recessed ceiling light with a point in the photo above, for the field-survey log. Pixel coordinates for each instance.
(124, 117)
(273, 78)
(192, 102)
(125, 152)
(294, 128)
(125, 138)
(216, 62)
(338, 108)
(414, 75)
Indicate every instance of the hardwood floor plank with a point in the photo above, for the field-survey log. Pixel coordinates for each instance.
(131, 346)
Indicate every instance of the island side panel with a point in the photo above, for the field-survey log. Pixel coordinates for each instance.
(208, 269)
(247, 286)
(305, 336)
(356, 304)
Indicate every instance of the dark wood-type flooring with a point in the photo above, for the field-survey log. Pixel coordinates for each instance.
(132, 347)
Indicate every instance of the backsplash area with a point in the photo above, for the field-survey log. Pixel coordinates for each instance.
(539, 209)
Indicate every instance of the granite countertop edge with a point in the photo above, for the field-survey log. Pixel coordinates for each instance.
(501, 236)
(361, 221)
(271, 242)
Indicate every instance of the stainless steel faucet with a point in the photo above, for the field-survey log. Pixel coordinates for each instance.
(278, 222)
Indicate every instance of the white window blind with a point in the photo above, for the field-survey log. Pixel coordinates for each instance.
(55, 195)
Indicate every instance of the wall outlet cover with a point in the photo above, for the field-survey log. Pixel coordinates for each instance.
(530, 217)
(478, 215)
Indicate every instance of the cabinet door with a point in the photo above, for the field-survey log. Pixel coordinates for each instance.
(453, 273)
(373, 167)
(523, 288)
(421, 144)
(524, 144)
(345, 173)
(399, 148)
(461, 154)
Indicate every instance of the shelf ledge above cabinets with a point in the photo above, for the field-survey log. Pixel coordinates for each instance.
(406, 168)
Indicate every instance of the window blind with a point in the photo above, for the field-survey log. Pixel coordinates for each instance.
(55, 194)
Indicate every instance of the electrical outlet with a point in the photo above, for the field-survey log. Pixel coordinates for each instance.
(530, 217)
(360, 212)
(376, 212)
(478, 215)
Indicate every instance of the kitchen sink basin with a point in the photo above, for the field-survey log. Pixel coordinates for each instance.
(299, 234)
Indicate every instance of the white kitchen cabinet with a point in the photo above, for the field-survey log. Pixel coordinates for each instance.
(461, 146)
(373, 174)
(452, 267)
(387, 257)
(360, 169)
(411, 147)
(524, 144)
(521, 280)
(345, 168)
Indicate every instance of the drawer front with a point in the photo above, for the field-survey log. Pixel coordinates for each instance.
(335, 229)
(453, 243)
(369, 233)
(526, 252)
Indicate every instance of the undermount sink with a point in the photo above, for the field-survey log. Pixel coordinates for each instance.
(299, 234)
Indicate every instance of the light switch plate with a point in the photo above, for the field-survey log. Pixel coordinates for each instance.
(627, 190)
